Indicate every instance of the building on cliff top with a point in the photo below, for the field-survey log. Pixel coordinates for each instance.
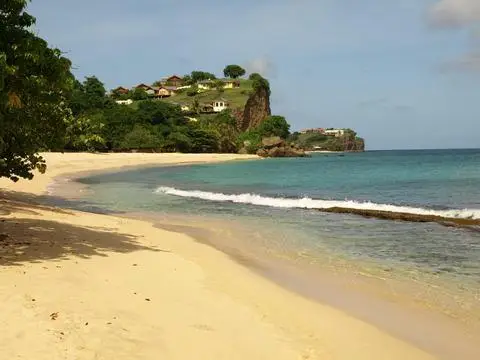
(214, 106)
(328, 132)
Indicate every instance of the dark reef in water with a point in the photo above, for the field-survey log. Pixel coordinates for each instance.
(472, 224)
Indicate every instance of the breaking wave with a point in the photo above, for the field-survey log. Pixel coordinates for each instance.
(318, 204)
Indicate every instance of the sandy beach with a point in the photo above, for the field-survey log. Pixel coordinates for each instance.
(78, 285)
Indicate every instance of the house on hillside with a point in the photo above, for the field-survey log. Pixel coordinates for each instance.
(147, 88)
(120, 90)
(220, 105)
(205, 84)
(315, 130)
(164, 91)
(214, 106)
(210, 84)
(174, 80)
(335, 132)
(230, 83)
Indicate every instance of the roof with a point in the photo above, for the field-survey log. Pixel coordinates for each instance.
(144, 85)
(172, 88)
(174, 76)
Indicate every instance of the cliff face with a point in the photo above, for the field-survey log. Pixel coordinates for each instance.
(256, 110)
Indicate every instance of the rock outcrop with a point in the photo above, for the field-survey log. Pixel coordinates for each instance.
(276, 147)
(256, 110)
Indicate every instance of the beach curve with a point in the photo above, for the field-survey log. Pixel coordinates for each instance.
(80, 285)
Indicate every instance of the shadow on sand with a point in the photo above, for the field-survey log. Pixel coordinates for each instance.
(35, 240)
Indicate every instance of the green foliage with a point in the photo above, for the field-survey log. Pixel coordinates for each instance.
(219, 86)
(94, 92)
(178, 141)
(233, 71)
(274, 126)
(314, 140)
(197, 76)
(224, 128)
(87, 96)
(35, 83)
(202, 140)
(140, 137)
(85, 132)
(187, 80)
(259, 82)
(139, 94)
(250, 140)
(192, 91)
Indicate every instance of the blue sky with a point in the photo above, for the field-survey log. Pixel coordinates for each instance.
(405, 74)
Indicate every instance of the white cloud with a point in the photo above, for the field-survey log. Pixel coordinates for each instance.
(455, 13)
(460, 14)
(262, 65)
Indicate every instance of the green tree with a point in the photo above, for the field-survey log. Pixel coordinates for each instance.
(187, 80)
(192, 91)
(250, 140)
(179, 142)
(259, 82)
(35, 83)
(141, 138)
(219, 85)
(223, 127)
(233, 71)
(118, 120)
(139, 94)
(85, 133)
(94, 92)
(197, 76)
(274, 126)
(254, 76)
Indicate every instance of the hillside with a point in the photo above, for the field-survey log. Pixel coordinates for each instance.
(318, 141)
(236, 97)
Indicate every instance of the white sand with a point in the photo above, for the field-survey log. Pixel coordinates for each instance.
(123, 289)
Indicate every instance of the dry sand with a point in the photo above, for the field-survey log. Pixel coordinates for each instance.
(77, 285)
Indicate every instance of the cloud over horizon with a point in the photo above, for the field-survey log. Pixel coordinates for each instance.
(456, 14)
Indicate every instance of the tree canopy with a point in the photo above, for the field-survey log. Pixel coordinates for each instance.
(274, 126)
(197, 76)
(233, 71)
(35, 82)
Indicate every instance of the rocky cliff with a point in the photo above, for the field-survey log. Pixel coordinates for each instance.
(255, 111)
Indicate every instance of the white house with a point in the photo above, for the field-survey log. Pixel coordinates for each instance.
(124, 102)
(335, 132)
(220, 105)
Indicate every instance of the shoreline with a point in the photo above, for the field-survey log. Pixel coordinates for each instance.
(256, 319)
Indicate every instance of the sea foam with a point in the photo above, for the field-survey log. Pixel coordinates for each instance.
(309, 203)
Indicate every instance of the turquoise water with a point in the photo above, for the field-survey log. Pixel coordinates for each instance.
(281, 198)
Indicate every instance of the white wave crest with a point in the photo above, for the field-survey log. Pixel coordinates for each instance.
(308, 203)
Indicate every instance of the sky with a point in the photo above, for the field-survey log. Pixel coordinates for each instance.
(404, 74)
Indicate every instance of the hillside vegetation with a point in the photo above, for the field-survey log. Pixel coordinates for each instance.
(236, 97)
(317, 141)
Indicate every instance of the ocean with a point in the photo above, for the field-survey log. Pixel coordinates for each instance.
(270, 214)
